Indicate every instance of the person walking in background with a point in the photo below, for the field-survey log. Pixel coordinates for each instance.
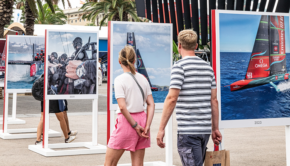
(100, 77)
(193, 94)
(132, 130)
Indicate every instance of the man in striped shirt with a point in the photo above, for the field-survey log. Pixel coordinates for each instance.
(193, 94)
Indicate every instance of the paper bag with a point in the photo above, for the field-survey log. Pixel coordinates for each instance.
(217, 158)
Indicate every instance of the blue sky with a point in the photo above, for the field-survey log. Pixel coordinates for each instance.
(238, 32)
(153, 42)
(62, 42)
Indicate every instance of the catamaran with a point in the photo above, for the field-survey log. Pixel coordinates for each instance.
(140, 64)
(268, 59)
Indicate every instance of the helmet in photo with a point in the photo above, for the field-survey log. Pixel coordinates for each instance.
(76, 41)
(54, 54)
(63, 56)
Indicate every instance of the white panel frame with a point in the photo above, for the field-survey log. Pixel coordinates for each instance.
(6, 65)
(115, 106)
(70, 96)
(250, 122)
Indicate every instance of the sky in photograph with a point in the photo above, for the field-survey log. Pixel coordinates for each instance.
(74, 4)
(238, 32)
(153, 42)
(62, 42)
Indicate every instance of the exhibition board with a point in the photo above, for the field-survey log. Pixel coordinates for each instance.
(23, 63)
(77, 54)
(153, 44)
(252, 63)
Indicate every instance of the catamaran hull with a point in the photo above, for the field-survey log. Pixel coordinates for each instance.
(249, 83)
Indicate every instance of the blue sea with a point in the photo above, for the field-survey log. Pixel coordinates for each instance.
(253, 103)
(19, 75)
(158, 96)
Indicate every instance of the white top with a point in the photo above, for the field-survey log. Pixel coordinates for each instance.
(126, 87)
(99, 65)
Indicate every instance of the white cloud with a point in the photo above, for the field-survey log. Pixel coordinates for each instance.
(159, 71)
(151, 77)
(119, 39)
(119, 71)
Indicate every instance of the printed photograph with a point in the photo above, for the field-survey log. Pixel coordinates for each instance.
(72, 63)
(254, 66)
(152, 45)
(25, 58)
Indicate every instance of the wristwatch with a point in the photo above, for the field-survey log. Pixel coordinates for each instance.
(135, 125)
(81, 71)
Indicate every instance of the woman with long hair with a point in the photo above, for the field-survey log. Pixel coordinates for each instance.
(132, 129)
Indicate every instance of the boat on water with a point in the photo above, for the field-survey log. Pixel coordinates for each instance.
(267, 64)
(140, 64)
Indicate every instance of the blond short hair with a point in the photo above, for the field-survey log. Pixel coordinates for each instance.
(187, 39)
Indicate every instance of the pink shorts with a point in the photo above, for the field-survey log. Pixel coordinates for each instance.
(126, 137)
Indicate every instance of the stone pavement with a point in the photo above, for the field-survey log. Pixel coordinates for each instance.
(249, 146)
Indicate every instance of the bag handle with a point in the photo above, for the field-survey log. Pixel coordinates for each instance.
(138, 86)
(215, 147)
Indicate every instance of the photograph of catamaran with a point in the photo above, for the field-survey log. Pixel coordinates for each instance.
(25, 58)
(267, 64)
(140, 66)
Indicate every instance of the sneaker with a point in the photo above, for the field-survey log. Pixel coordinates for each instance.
(38, 142)
(73, 133)
(70, 139)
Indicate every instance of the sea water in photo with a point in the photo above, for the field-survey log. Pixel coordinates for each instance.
(19, 75)
(252, 103)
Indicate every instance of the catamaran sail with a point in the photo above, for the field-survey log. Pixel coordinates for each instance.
(268, 59)
(140, 66)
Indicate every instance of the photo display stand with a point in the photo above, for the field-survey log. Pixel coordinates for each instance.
(6, 133)
(111, 109)
(92, 147)
(260, 73)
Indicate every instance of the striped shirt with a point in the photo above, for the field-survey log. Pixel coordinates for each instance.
(195, 79)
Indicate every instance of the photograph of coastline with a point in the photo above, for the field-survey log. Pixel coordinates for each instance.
(24, 63)
(152, 43)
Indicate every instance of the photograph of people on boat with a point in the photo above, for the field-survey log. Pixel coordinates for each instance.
(71, 63)
(2, 60)
(152, 45)
(25, 61)
(254, 66)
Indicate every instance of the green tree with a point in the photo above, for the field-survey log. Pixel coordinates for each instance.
(48, 17)
(113, 10)
(31, 11)
(6, 8)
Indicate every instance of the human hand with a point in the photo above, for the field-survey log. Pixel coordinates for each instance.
(159, 138)
(71, 69)
(139, 129)
(145, 133)
(216, 137)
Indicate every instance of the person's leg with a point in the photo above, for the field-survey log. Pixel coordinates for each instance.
(137, 157)
(113, 156)
(60, 117)
(39, 128)
(190, 149)
(204, 144)
(66, 120)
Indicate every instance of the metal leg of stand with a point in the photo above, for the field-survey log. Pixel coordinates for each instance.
(287, 134)
(5, 111)
(222, 145)
(46, 123)
(14, 106)
(95, 122)
(169, 143)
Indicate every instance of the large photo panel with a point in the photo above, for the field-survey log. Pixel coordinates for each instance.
(24, 62)
(153, 47)
(253, 67)
(71, 64)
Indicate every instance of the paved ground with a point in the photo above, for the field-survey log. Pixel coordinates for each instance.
(249, 146)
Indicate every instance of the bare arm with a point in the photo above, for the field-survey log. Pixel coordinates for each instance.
(169, 105)
(127, 115)
(216, 135)
(150, 113)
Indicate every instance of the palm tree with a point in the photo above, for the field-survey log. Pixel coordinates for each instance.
(113, 10)
(6, 8)
(48, 17)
